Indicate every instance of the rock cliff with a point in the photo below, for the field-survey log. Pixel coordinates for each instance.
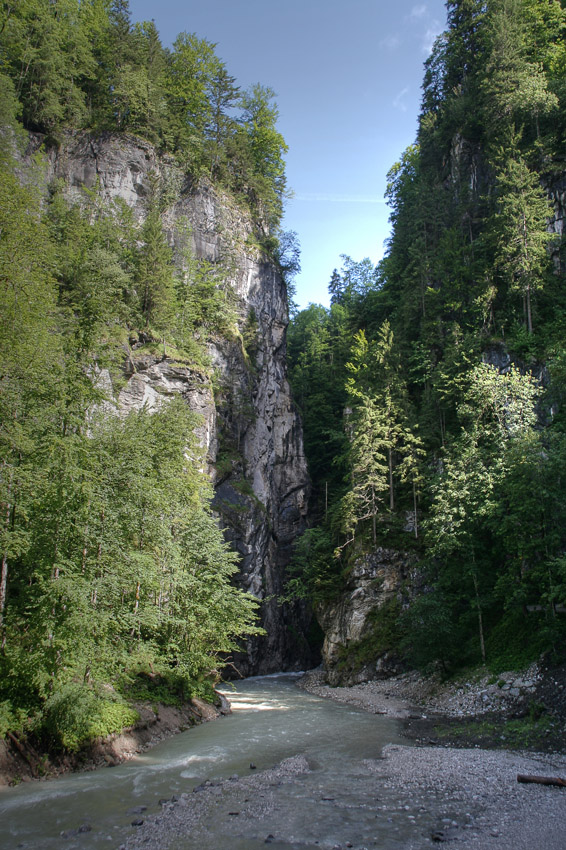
(248, 423)
(359, 626)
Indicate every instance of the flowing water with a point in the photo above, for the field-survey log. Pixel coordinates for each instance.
(272, 720)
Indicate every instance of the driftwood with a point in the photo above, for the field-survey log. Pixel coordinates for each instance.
(542, 780)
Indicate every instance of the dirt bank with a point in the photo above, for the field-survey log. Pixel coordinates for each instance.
(22, 761)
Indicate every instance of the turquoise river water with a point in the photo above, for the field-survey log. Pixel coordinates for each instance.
(271, 720)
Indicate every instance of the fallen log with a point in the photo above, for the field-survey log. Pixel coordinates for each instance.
(542, 780)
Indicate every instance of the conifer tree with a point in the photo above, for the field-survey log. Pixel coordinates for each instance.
(155, 272)
(523, 211)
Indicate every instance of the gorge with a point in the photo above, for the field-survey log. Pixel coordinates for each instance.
(186, 475)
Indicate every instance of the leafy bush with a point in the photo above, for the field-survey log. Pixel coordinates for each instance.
(516, 640)
(10, 719)
(430, 633)
(75, 715)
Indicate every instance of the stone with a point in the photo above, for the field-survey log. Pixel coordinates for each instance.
(374, 580)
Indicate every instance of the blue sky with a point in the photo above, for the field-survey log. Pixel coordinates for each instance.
(347, 76)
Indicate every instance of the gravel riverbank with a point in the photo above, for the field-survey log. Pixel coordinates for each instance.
(415, 796)
(473, 791)
(403, 695)
(421, 797)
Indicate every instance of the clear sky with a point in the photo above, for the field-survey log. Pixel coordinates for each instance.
(347, 75)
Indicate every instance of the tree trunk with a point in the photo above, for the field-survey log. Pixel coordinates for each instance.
(391, 493)
(480, 616)
(529, 313)
(373, 516)
(415, 509)
(3, 587)
(4, 572)
(542, 780)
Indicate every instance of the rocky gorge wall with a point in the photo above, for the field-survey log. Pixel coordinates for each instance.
(358, 625)
(248, 423)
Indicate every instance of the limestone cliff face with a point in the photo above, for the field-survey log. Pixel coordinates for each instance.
(249, 426)
(353, 650)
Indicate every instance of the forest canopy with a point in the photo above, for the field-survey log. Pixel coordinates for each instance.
(432, 388)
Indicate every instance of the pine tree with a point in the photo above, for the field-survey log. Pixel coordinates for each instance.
(267, 148)
(223, 96)
(521, 221)
(155, 272)
(191, 69)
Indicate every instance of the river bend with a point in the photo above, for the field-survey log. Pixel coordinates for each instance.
(272, 720)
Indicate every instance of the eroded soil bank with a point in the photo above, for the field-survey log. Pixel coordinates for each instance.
(21, 760)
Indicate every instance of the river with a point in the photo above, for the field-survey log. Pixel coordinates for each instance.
(272, 720)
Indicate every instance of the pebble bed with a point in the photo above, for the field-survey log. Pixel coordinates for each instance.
(411, 692)
(466, 798)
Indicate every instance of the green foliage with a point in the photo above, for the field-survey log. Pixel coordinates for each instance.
(111, 560)
(168, 687)
(521, 227)
(314, 572)
(431, 632)
(267, 147)
(408, 431)
(154, 273)
(75, 715)
(189, 75)
(530, 732)
(48, 52)
(205, 300)
(318, 348)
(82, 65)
(11, 720)
(517, 640)
(105, 530)
(380, 433)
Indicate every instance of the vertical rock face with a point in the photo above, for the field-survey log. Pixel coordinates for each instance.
(355, 646)
(249, 426)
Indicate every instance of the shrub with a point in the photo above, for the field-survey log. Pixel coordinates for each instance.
(75, 715)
